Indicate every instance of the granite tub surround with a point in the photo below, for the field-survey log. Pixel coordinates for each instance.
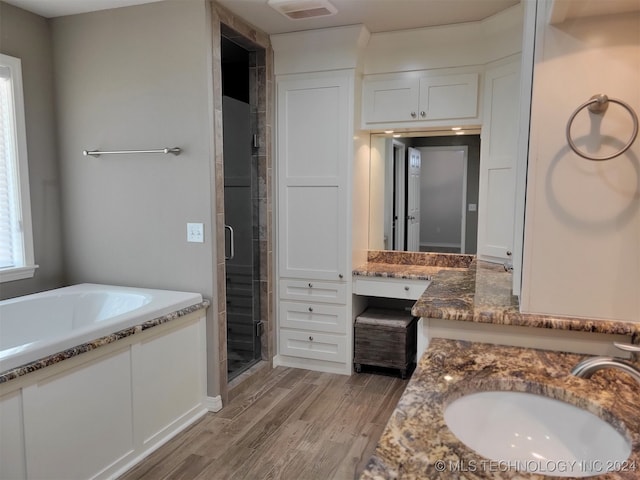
(417, 444)
(410, 265)
(482, 294)
(99, 342)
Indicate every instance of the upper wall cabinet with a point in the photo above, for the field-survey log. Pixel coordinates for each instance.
(416, 99)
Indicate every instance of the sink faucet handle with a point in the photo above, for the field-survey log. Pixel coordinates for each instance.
(627, 347)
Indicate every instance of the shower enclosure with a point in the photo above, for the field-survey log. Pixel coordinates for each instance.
(241, 211)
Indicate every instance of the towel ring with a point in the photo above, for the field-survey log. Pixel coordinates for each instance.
(598, 104)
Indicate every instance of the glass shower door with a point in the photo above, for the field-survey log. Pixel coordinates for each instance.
(243, 339)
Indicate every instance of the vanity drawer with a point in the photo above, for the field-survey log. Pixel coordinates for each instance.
(389, 287)
(318, 346)
(312, 291)
(312, 316)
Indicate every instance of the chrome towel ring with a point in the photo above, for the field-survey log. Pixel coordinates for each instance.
(598, 104)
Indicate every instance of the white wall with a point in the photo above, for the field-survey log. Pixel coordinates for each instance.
(138, 78)
(582, 230)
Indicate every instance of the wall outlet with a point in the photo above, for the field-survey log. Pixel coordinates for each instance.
(195, 232)
(473, 207)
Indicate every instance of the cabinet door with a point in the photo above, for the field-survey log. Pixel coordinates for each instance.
(315, 116)
(390, 100)
(449, 96)
(498, 155)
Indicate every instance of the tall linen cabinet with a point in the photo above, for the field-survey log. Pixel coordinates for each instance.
(315, 152)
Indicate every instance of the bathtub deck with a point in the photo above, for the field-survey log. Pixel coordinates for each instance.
(294, 424)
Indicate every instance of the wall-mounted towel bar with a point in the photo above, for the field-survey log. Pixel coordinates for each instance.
(598, 104)
(97, 153)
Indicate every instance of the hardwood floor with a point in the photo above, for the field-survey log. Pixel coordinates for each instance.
(291, 425)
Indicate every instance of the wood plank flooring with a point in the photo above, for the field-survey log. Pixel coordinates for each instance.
(291, 425)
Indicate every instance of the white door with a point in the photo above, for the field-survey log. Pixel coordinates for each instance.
(313, 149)
(443, 198)
(413, 201)
(498, 153)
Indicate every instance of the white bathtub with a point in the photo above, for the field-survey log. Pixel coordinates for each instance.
(93, 378)
(34, 326)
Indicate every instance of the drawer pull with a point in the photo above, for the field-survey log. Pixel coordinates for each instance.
(310, 285)
(310, 309)
(310, 338)
(340, 275)
(406, 288)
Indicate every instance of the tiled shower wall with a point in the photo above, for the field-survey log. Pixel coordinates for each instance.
(261, 100)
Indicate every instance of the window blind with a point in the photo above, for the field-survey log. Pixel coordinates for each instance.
(10, 235)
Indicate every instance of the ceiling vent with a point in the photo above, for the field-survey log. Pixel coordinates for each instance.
(302, 9)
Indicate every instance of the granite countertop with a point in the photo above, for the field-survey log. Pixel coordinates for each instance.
(410, 265)
(417, 444)
(98, 342)
(482, 294)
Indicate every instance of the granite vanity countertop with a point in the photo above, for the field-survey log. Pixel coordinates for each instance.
(98, 342)
(482, 294)
(393, 270)
(410, 265)
(417, 444)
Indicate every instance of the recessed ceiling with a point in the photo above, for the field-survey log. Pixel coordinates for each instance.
(376, 15)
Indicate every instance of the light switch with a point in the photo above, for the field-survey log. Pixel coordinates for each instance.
(195, 232)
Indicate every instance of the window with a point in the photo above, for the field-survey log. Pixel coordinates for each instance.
(16, 241)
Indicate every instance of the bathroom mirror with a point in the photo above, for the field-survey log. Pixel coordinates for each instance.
(424, 190)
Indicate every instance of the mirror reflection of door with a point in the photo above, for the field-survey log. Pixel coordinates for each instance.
(448, 220)
(443, 198)
(413, 199)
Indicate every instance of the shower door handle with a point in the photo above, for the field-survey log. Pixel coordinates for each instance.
(232, 249)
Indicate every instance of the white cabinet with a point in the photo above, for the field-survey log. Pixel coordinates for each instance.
(315, 125)
(97, 414)
(449, 96)
(419, 98)
(390, 287)
(498, 156)
(314, 139)
(390, 99)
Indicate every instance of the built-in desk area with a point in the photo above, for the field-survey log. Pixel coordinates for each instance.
(467, 299)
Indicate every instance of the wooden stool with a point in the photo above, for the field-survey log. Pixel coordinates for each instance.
(385, 338)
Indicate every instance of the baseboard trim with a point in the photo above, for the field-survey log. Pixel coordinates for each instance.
(213, 404)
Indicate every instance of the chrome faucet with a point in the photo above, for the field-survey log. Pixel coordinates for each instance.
(589, 366)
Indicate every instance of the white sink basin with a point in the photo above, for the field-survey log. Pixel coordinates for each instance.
(533, 433)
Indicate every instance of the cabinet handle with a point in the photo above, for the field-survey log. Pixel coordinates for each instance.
(508, 253)
(310, 309)
(423, 114)
(340, 275)
(413, 115)
(406, 288)
(310, 338)
(310, 285)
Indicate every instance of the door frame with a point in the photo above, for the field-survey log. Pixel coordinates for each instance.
(399, 195)
(224, 22)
